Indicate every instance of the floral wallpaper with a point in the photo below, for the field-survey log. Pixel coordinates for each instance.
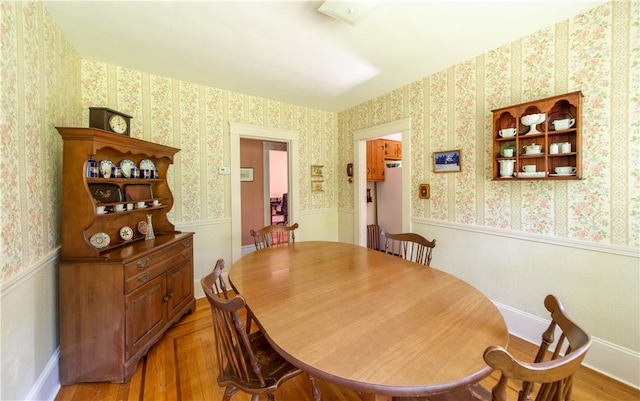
(39, 90)
(196, 119)
(597, 52)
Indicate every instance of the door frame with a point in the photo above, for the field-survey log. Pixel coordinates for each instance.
(290, 137)
(360, 138)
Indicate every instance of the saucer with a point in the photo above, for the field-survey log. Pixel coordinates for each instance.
(532, 154)
(562, 175)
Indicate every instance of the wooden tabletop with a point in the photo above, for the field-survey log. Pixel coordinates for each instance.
(369, 321)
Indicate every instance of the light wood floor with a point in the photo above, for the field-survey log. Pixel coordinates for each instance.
(182, 366)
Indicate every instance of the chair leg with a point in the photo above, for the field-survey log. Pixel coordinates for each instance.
(317, 396)
(228, 392)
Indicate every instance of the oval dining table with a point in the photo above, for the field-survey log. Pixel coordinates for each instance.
(368, 321)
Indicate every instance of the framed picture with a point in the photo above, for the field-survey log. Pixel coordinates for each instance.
(246, 173)
(316, 171)
(447, 161)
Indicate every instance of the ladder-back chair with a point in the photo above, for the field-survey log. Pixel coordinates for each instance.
(246, 361)
(410, 246)
(273, 235)
(553, 368)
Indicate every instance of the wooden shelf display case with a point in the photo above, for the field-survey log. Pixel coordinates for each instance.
(548, 144)
(117, 296)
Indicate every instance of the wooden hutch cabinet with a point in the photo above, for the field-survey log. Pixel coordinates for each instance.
(549, 147)
(118, 292)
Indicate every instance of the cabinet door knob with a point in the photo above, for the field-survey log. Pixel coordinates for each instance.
(185, 254)
(185, 243)
(142, 263)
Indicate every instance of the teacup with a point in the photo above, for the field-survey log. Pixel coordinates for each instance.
(119, 207)
(129, 206)
(532, 149)
(140, 205)
(529, 168)
(100, 209)
(564, 123)
(156, 202)
(507, 132)
(565, 170)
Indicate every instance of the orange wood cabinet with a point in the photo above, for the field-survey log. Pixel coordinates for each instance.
(392, 150)
(558, 146)
(375, 160)
(116, 301)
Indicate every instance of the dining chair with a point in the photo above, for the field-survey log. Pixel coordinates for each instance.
(552, 368)
(273, 235)
(373, 236)
(283, 210)
(246, 361)
(410, 246)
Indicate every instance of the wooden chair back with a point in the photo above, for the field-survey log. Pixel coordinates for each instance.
(410, 246)
(246, 361)
(373, 236)
(553, 367)
(274, 235)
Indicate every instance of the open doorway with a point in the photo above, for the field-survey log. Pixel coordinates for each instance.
(288, 137)
(360, 138)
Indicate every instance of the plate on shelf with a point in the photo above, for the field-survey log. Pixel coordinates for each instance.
(559, 115)
(147, 164)
(138, 192)
(534, 174)
(106, 193)
(105, 167)
(100, 240)
(142, 227)
(126, 233)
(126, 165)
(562, 175)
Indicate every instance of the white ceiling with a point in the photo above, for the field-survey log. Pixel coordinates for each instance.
(290, 52)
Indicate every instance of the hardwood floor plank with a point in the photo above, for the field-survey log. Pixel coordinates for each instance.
(182, 366)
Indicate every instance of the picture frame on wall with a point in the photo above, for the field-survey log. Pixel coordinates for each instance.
(448, 161)
(246, 174)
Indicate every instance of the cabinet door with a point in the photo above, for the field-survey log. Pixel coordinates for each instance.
(179, 287)
(393, 150)
(375, 160)
(145, 314)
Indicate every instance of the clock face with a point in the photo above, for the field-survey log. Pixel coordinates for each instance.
(118, 124)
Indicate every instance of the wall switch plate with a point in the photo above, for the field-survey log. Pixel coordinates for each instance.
(224, 170)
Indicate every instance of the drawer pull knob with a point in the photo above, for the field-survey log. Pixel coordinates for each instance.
(185, 254)
(143, 263)
(165, 298)
(185, 243)
(144, 278)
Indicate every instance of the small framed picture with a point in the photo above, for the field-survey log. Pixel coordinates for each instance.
(316, 171)
(447, 161)
(246, 174)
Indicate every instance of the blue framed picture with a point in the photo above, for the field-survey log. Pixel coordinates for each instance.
(447, 161)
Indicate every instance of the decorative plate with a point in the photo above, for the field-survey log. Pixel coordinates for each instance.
(106, 193)
(105, 166)
(126, 165)
(142, 227)
(100, 240)
(126, 233)
(147, 164)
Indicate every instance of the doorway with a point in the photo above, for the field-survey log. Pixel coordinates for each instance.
(360, 138)
(290, 138)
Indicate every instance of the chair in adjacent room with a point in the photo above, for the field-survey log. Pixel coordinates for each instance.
(283, 209)
(552, 369)
(410, 246)
(246, 361)
(373, 236)
(274, 235)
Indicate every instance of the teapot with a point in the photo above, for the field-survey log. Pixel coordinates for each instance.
(506, 168)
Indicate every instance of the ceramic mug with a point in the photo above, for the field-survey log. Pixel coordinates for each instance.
(140, 205)
(507, 153)
(529, 168)
(563, 124)
(129, 206)
(565, 170)
(119, 207)
(507, 132)
(100, 209)
(554, 149)
(156, 202)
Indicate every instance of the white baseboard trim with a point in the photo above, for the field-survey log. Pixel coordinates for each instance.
(48, 384)
(609, 359)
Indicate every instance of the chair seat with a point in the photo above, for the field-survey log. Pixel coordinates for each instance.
(275, 369)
